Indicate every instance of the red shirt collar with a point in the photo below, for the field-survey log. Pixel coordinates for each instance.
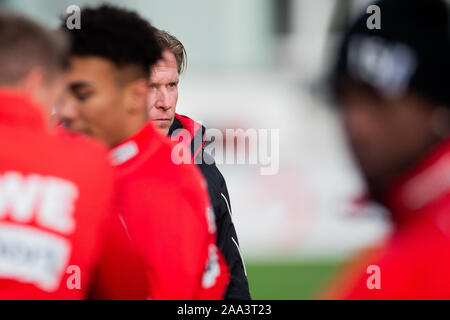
(425, 185)
(196, 131)
(16, 108)
(190, 125)
(146, 140)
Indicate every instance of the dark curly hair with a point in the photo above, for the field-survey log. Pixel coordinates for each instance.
(116, 34)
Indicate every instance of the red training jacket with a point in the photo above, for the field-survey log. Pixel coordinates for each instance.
(414, 261)
(165, 209)
(58, 237)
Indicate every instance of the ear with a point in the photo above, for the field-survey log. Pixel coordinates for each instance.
(35, 85)
(136, 96)
(32, 83)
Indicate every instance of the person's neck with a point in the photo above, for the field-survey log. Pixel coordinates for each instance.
(421, 187)
(380, 185)
(130, 128)
(20, 94)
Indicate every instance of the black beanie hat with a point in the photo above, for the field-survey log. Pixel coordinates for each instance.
(411, 51)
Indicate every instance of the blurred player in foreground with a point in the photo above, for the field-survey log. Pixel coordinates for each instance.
(163, 97)
(56, 226)
(394, 87)
(164, 205)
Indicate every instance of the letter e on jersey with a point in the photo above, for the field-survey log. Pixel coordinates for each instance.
(28, 254)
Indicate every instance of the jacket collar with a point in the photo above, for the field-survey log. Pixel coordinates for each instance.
(425, 186)
(145, 140)
(197, 133)
(17, 109)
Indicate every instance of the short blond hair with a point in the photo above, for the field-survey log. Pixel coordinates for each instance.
(171, 43)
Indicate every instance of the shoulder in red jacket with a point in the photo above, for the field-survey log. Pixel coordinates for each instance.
(55, 207)
(165, 206)
(415, 258)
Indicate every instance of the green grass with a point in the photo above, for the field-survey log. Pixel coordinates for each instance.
(289, 280)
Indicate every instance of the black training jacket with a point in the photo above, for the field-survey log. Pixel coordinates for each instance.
(227, 240)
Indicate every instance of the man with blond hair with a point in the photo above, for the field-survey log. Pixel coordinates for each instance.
(163, 205)
(162, 101)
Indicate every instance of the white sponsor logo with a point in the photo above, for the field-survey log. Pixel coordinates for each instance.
(212, 268)
(49, 200)
(28, 254)
(32, 256)
(123, 153)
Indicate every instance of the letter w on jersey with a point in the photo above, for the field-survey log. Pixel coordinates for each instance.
(28, 254)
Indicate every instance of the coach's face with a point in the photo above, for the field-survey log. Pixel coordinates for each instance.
(163, 94)
(96, 100)
(386, 135)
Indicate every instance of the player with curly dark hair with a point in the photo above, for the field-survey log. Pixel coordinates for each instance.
(113, 51)
(105, 27)
(163, 205)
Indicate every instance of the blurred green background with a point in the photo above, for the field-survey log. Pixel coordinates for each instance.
(289, 280)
